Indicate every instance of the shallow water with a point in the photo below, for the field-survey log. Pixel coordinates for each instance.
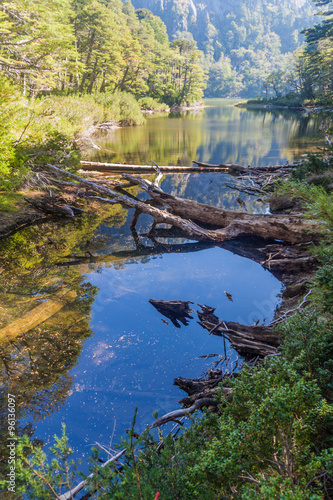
(107, 349)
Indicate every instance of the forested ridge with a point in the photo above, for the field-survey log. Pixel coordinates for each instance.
(243, 42)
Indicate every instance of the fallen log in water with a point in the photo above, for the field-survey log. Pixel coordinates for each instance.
(232, 224)
(248, 341)
(186, 215)
(118, 167)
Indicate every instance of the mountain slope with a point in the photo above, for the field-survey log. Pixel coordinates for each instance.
(243, 42)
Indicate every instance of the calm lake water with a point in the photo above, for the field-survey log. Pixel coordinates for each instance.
(106, 350)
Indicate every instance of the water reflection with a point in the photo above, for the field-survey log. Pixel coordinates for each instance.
(96, 347)
(107, 349)
(220, 133)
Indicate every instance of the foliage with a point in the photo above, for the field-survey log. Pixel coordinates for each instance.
(243, 43)
(41, 480)
(150, 104)
(120, 107)
(12, 171)
(317, 168)
(87, 46)
(76, 64)
(308, 340)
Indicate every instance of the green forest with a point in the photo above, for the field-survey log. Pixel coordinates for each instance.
(243, 43)
(67, 66)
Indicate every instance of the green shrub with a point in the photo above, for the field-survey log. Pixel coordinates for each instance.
(151, 104)
(12, 169)
(120, 107)
(308, 345)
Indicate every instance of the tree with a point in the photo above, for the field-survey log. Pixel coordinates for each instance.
(36, 42)
(188, 78)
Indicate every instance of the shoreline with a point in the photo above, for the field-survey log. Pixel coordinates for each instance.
(253, 105)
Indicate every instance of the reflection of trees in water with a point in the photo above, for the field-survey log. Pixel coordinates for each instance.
(34, 365)
(222, 134)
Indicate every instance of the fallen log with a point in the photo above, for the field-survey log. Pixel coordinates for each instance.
(232, 224)
(118, 167)
(182, 213)
(175, 415)
(194, 386)
(238, 169)
(248, 341)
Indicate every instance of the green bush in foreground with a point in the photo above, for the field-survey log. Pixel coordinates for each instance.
(273, 439)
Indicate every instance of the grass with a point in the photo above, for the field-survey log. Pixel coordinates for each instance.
(11, 202)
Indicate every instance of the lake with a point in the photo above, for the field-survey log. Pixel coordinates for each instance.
(105, 349)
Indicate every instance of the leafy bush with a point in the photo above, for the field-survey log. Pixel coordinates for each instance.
(308, 344)
(120, 107)
(55, 148)
(317, 168)
(12, 170)
(151, 104)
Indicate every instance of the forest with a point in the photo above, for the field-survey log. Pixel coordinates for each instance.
(245, 44)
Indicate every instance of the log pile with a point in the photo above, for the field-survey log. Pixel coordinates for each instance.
(199, 221)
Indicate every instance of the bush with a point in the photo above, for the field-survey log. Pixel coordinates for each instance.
(12, 170)
(150, 104)
(120, 107)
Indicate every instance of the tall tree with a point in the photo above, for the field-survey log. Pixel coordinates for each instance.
(36, 41)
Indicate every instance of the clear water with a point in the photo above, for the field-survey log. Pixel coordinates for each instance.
(107, 350)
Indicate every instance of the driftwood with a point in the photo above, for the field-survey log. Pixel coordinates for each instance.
(38, 315)
(263, 179)
(231, 224)
(182, 213)
(175, 310)
(175, 415)
(74, 491)
(201, 388)
(289, 258)
(248, 341)
(118, 167)
(50, 206)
